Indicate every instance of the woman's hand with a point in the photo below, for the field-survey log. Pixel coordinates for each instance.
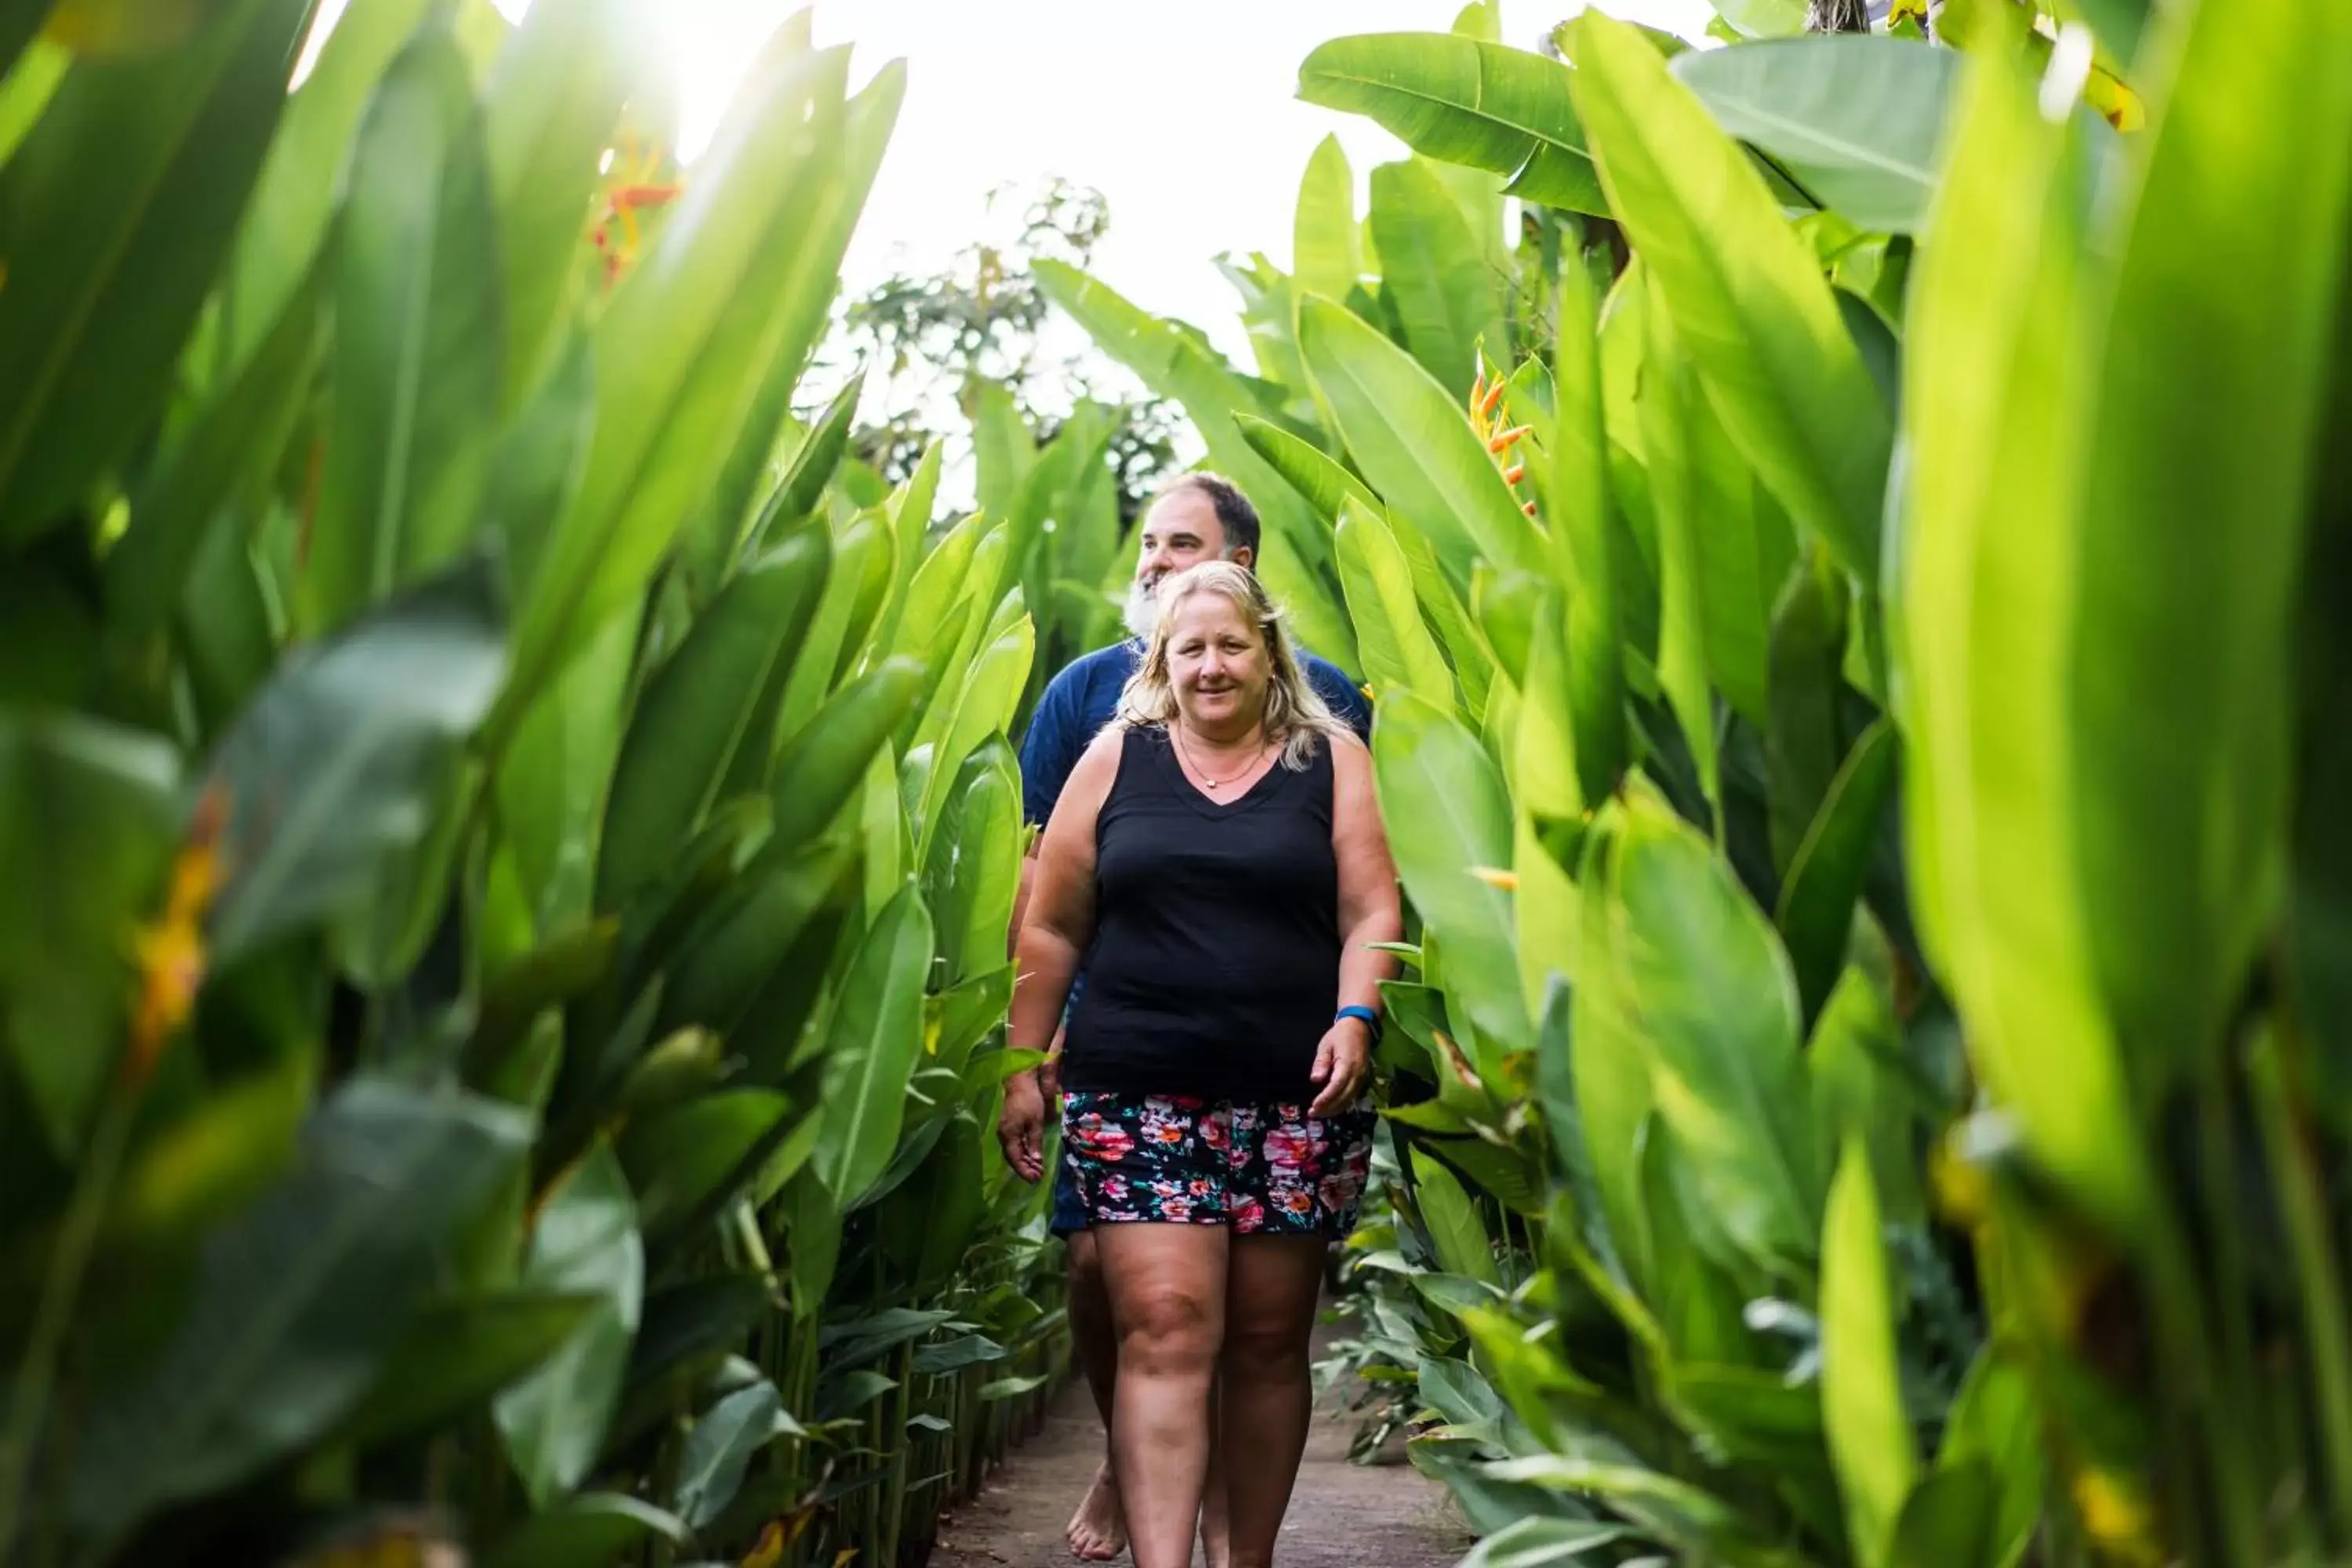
(1342, 1062)
(1021, 1126)
(1049, 1071)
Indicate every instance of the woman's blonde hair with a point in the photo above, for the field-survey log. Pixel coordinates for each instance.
(1295, 714)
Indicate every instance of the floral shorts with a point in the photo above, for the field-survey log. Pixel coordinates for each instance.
(1261, 1169)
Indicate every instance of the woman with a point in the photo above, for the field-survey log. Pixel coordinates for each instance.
(1218, 858)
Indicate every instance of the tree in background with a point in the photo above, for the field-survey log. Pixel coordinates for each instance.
(982, 319)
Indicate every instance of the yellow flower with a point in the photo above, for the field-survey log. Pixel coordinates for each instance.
(1491, 419)
(171, 951)
(2115, 1514)
(629, 187)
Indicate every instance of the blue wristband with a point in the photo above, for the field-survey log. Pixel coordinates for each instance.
(1372, 1019)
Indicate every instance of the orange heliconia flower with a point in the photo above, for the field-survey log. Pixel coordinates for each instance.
(171, 951)
(629, 188)
(1489, 417)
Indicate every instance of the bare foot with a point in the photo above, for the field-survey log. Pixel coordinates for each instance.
(1098, 1531)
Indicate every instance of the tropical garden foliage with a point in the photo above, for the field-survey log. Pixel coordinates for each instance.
(1855, 592)
(511, 836)
(511, 831)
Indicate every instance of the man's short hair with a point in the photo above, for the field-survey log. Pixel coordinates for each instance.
(1235, 517)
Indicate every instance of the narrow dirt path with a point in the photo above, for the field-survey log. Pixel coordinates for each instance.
(1341, 1516)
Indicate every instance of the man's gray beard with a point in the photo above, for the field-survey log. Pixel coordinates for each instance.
(1142, 614)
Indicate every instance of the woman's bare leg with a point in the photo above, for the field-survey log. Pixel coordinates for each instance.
(1097, 1532)
(1266, 1393)
(1216, 1532)
(1168, 1300)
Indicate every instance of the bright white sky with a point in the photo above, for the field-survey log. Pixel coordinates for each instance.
(1185, 117)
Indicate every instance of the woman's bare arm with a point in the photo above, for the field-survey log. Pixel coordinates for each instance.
(1059, 919)
(1370, 910)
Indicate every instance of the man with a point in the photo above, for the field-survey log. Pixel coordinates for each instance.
(1196, 517)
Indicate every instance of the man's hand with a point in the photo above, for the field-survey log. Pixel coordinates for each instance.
(1342, 1064)
(1021, 1126)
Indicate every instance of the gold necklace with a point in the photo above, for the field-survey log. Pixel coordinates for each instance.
(1206, 782)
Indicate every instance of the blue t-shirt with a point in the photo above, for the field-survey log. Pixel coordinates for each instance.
(1080, 700)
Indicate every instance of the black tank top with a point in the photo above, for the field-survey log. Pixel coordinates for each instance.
(1215, 964)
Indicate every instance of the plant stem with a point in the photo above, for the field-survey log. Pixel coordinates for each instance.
(2185, 1343)
(2327, 1334)
(60, 1296)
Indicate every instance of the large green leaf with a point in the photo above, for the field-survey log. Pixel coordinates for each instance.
(457, 1353)
(681, 1161)
(814, 462)
(551, 778)
(2180, 810)
(26, 86)
(1173, 364)
(20, 21)
(734, 948)
(1584, 540)
(88, 813)
(1003, 449)
(1544, 903)
(1805, 701)
(1434, 774)
(554, 92)
(226, 626)
(2118, 23)
(1984, 603)
(1703, 978)
(1863, 1088)
(1455, 1232)
(719, 1448)
(1741, 546)
(1669, 425)
(1414, 443)
(1468, 101)
(1539, 1542)
(821, 769)
(1430, 260)
(541, 455)
(295, 200)
(1748, 301)
(699, 707)
(1861, 1397)
(1270, 315)
(114, 214)
(734, 285)
(1763, 19)
(862, 565)
(1324, 248)
(1323, 480)
(330, 770)
(1948, 1521)
(1825, 878)
(1995, 1422)
(298, 1301)
(878, 1027)
(584, 1531)
(1854, 120)
(1398, 653)
(418, 341)
(585, 1242)
(928, 1224)
(972, 874)
(227, 449)
(991, 689)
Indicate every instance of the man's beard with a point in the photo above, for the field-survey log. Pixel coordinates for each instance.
(1142, 612)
